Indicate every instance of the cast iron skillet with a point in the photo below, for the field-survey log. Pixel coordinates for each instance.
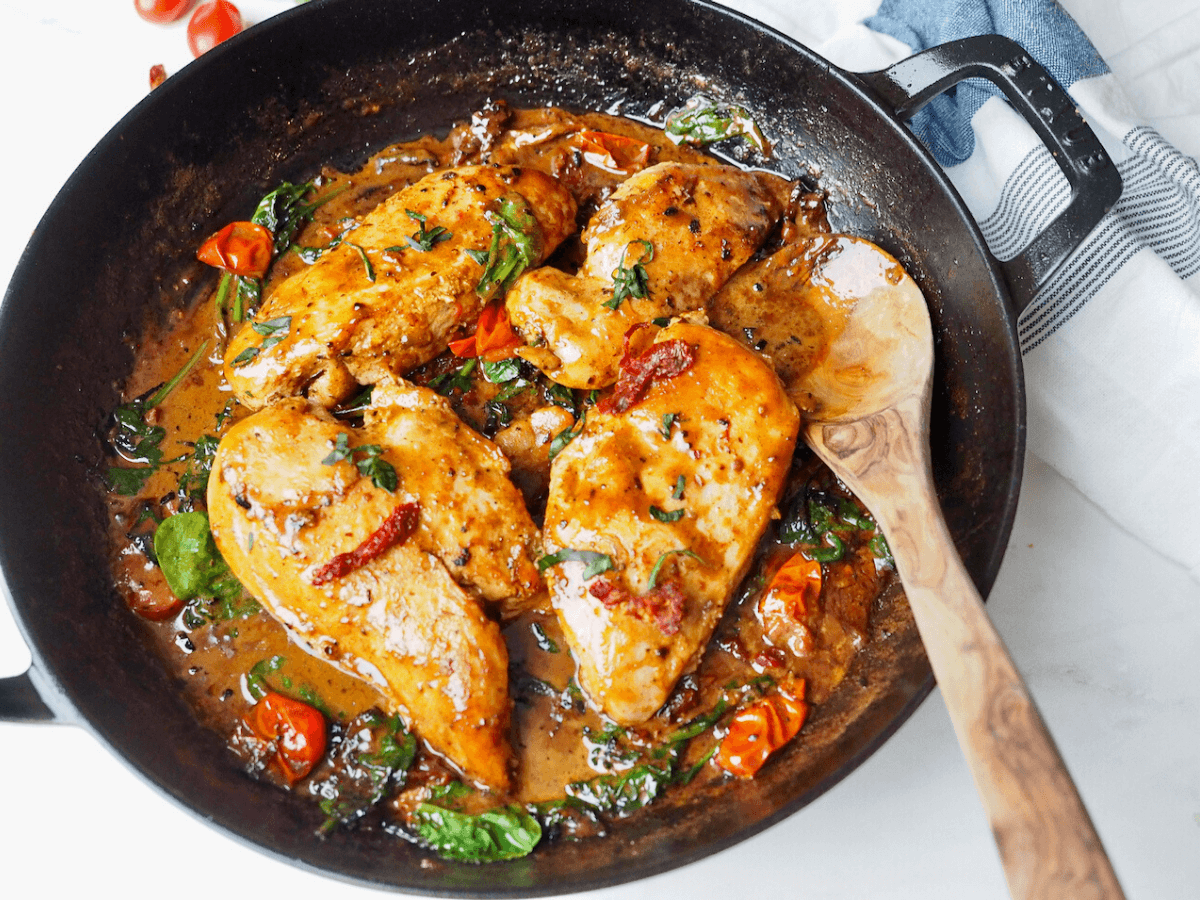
(333, 81)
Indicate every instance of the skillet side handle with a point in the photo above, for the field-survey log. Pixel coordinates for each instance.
(1049, 110)
(21, 702)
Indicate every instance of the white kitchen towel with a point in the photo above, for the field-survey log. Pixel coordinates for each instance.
(1112, 343)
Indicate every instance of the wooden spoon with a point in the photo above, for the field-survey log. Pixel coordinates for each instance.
(870, 391)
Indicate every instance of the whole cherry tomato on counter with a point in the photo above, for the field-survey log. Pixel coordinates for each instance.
(212, 22)
(161, 10)
(296, 729)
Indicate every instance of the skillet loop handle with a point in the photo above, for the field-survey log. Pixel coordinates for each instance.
(1049, 110)
(21, 702)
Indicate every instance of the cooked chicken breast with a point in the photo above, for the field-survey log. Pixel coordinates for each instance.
(792, 305)
(654, 514)
(380, 303)
(686, 227)
(386, 584)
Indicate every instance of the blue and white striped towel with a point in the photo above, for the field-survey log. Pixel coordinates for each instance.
(1112, 343)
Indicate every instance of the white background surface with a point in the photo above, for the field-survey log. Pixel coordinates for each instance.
(1105, 630)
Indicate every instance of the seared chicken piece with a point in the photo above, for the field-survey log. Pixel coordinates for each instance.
(654, 514)
(288, 499)
(793, 304)
(687, 227)
(378, 304)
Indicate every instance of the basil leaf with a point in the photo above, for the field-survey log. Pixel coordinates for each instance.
(559, 442)
(631, 281)
(595, 562)
(516, 245)
(509, 832)
(662, 515)
(422, 239)
(680, 484)
(662, 559)
(283, 211)
(256, 678)
(668, 420)
(362, 254)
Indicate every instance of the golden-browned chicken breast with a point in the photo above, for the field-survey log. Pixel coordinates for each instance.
(661, 245)
(656, 508)
(374, 555)
(391, 294)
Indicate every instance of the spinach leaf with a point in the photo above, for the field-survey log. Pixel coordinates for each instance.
(507, 832)
(190, 560)
(374, 752)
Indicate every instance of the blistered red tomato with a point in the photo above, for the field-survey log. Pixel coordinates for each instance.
(296, 730)
(494, 338)
(212, 22)
(760, 729)
(161, 10)
(242, 248)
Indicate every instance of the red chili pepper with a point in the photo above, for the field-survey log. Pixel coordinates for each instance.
(759, 730)
(296, 729)
(396, 529)
(663, 360)
(242, 248)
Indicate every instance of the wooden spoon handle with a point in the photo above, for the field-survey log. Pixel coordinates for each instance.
(1048, 845)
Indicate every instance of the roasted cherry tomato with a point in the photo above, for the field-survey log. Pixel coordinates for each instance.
(296, 730)
(614, 152)
(787, 603)
(759, 730)
(242, 248)
(161, 10)
(212, 22)
(494, 338)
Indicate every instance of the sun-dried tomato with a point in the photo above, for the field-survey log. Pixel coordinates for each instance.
(662, 604)
(395, 529)
(665, 359)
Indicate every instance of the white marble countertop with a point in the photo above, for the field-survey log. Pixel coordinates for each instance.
(1104, 629)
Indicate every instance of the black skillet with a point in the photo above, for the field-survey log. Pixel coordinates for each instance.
(333, 81)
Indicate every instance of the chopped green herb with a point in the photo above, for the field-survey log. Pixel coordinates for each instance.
(516, 245)
(662, 515)
(668, 421)
(422, 239)
(631, 281)
(362, 254)
(371, 464)
(663, 558)
(273, 330)
(595, 562)
(701, 121)
(283, 211)
(559, 442)
(680, 484)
